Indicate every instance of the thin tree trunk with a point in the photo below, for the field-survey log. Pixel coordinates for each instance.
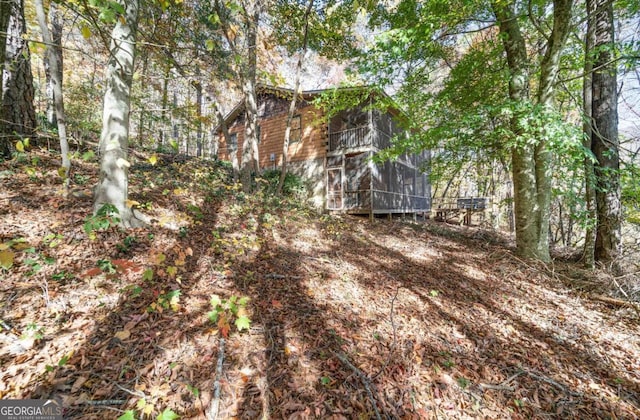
(249, 164)
(56, 39)
(232, 150)
(604, 141)
(588, 254)
(549, 68)
(53, 58)
(164, 124)
(113, 186)
(145, 64)
(292, 106)
(198, 87)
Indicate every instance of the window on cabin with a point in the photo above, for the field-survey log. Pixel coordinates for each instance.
(296, 129)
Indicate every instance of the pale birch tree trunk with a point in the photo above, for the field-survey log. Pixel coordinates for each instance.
(114, 139)
(54, 60)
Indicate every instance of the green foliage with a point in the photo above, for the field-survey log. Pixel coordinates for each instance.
(463, 382)
(228, 311)
(106, 217)
(630, 182)
(126, 244)
(167, 414)
(33, 331)
(294, 186)
(83, 111)
(106, 266)
(168, 300)
(128, 415)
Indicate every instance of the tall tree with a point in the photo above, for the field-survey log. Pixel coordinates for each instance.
(530, 159)
(55, 20)
(249, 161)
(113, 185)
(604, 135)
(294, 97)
(54, 60)
(18, 117)
(589, 175)
(5, 14)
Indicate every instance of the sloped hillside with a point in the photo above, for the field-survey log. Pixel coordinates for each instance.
(250, 306)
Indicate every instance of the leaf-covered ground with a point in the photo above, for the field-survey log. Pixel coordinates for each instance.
(349, 319)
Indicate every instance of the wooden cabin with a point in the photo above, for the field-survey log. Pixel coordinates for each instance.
(334, 155)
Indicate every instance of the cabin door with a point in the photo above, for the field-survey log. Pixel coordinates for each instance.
(334, 188)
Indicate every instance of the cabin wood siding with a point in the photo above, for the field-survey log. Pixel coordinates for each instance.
(272, 130)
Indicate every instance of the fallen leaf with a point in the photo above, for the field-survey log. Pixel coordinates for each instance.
(77, 384)
(6, 259)
(123, 335)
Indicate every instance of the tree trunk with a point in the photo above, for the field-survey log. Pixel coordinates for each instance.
(292, 105)
(198, 87)
(232, 149)
(549, 68)
(56, 45)
(165, 126)
(531, 162)
(141, 120)
(604, 140)
(526, 206)
(588, 255)
(114, 140)
(54, 59)
(18, 114)
(249, 161)
(5, 14)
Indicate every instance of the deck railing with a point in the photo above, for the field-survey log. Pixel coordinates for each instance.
(349, 139)
(391, 201)
(384, 201)
(358, 137)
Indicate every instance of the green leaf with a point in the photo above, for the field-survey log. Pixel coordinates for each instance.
(213, 316)
(167, 414)
(147, 275)
(215, 300)
(128, 415)
(194, 390)
(242, 323)
(19, 146)
(63, 361)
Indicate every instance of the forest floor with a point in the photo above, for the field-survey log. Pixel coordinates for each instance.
(349, 319)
